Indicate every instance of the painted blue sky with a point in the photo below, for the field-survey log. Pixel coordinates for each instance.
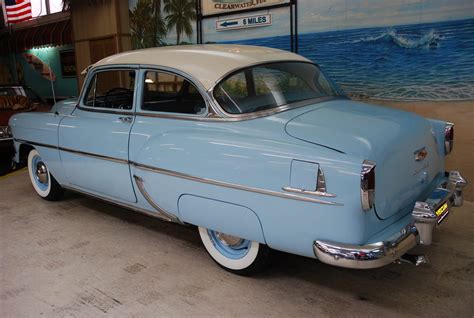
(330, 15)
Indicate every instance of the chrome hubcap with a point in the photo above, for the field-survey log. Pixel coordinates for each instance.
(229, 240)
(41, 172)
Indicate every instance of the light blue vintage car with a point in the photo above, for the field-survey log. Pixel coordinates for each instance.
(255, 147)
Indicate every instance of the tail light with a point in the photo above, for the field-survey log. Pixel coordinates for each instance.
(448, 138)
(367, 184)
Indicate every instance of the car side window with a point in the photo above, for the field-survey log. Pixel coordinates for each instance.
(165, 92)
(111, 89)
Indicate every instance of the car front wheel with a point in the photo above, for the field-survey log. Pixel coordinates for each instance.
(43, 182)
(234, 254)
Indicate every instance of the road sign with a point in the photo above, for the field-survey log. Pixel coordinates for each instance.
(244, 22)
(211, 7)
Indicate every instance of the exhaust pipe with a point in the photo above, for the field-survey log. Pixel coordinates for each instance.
(413, 259)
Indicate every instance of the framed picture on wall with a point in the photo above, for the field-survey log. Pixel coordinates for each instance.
(68, 63)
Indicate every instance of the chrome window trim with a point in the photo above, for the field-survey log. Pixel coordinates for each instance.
(264, 113)
(214, 110)
(208, 117)
(105, 110)
(210, 111)
(91, 75)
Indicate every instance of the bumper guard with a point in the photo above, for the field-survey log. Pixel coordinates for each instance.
(426, 215)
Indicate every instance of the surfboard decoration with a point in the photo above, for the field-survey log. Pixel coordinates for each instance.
(38, 65)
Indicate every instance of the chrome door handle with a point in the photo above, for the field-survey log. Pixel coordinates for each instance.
(126, 119)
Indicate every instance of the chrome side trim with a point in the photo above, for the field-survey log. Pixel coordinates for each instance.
(32, 143)
(117, 203)
(232, 185)
(83, 153)
(93, 155)
(317, 193)
(199, 179)
(165, 215)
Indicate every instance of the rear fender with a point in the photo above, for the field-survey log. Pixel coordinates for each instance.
(221, 216)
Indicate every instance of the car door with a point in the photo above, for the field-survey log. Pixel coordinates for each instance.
(168, 117)
(94, 140)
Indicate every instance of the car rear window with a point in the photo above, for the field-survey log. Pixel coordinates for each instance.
(271, 85)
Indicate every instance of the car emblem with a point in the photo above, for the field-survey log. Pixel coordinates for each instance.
(421, 154)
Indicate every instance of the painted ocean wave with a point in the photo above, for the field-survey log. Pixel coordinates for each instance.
(429, 40)
(432, 61)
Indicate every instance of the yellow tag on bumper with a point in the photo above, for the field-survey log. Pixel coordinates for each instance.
(442, 209)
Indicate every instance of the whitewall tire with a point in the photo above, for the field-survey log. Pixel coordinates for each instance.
(234, 254)
(43, 182)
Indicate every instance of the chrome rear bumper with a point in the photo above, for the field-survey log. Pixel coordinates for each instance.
(426, 215)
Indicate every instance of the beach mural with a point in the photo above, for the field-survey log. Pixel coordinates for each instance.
(397, 50)
(430, 61)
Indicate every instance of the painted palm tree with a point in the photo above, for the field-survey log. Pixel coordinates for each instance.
(146, 24)
(159, 25)
(180, 14)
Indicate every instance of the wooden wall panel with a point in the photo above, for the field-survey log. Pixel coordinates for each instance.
(100, 30)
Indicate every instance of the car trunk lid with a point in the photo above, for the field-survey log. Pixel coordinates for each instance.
(389, 137)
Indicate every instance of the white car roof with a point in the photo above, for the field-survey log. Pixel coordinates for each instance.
(207, 63)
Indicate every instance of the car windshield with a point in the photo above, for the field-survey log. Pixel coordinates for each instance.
(271, 85)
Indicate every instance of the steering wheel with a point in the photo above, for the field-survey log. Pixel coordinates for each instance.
(122, 97)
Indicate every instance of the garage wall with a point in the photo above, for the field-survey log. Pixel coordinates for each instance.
(101, 28)
(34, 68)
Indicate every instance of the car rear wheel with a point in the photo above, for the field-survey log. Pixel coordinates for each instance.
(234, 254)
(43, 182)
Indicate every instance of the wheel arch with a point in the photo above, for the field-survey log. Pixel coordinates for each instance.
(23, 151)
(226, 217)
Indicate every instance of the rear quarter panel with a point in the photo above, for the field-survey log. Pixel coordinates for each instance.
(258, 154)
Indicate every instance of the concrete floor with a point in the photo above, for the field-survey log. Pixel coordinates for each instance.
(83, 258)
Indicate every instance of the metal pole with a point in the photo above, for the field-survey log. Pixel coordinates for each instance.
(48, 10)
(200, 21)
(197, 21)
(51, 80)
(296, 25)
(291, 29)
